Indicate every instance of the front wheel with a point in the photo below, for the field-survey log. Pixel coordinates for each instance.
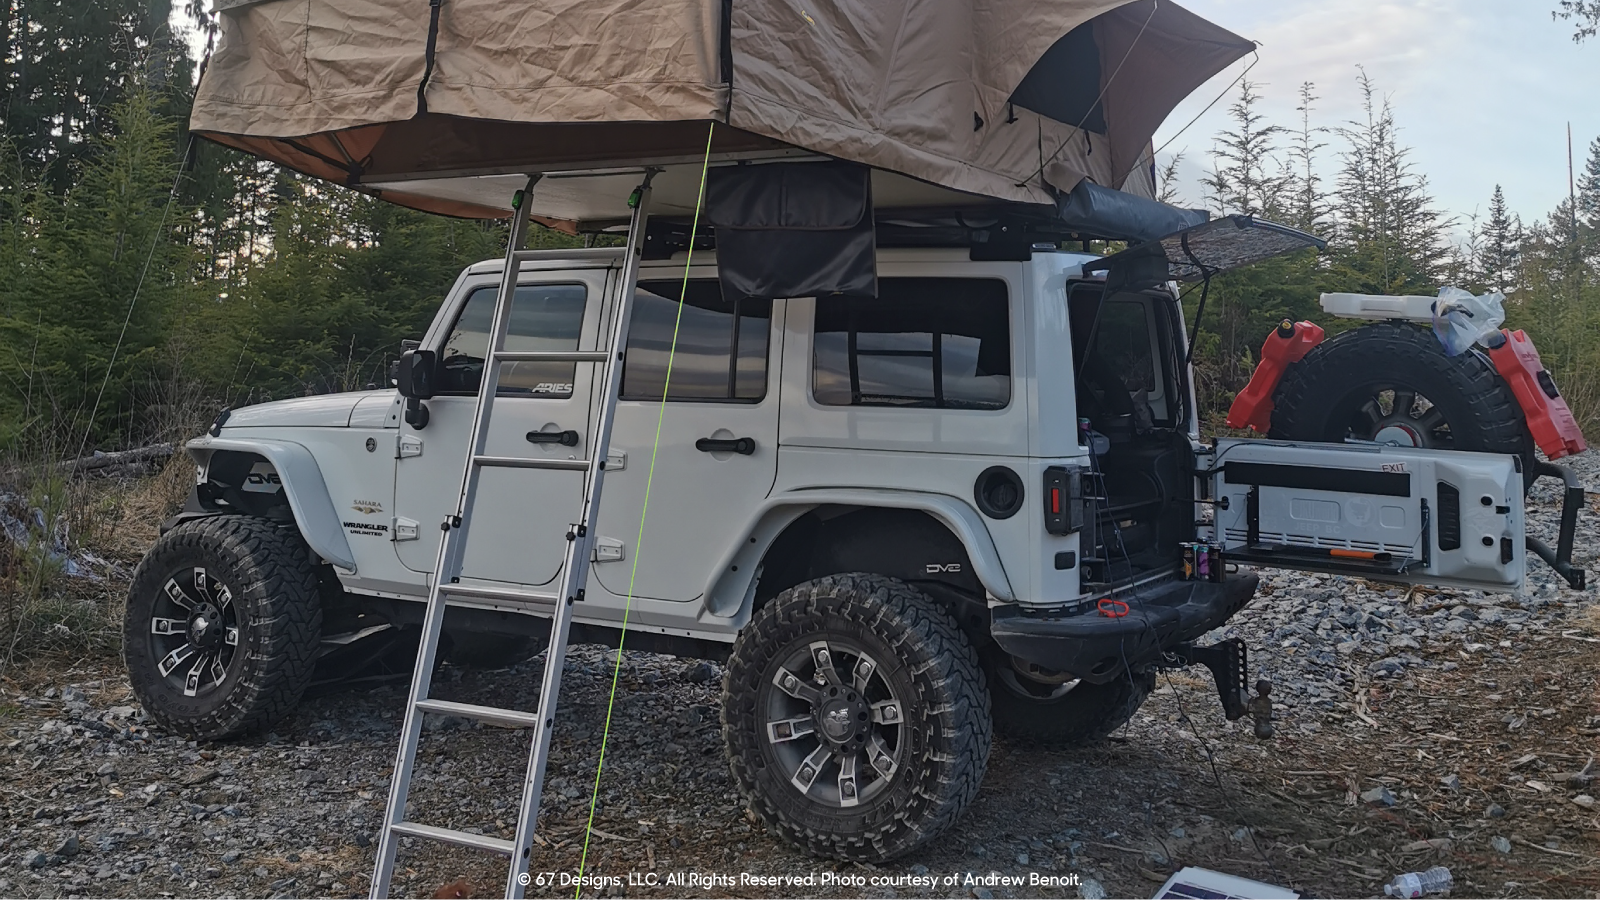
(855, 717)
(222, 626)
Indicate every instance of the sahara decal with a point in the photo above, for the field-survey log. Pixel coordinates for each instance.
(367, 507)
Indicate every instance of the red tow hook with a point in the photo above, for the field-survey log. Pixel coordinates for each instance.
(1112, 609)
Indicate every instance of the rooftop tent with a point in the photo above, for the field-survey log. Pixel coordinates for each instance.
(952, 103)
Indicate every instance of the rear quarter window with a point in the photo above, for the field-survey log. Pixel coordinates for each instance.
(927, 343)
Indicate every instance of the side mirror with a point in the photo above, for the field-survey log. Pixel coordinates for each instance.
(415, 374)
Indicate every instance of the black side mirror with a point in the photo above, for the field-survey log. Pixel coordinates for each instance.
(415, 375)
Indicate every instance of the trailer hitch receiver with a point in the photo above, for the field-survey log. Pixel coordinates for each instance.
(1229, 662)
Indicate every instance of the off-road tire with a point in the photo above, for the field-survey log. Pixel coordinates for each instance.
(936, 673)
(274, 584)
(1083, 715)
(1482, 412)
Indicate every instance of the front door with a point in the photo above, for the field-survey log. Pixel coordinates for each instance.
(1392, 513)
(718, 448)
(521, 516)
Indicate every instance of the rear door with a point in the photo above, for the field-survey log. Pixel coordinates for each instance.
(1393, 513)
(718, 448)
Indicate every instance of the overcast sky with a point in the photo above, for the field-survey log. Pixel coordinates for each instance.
(1482, 89)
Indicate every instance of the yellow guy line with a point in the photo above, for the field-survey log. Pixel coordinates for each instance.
(638, 545)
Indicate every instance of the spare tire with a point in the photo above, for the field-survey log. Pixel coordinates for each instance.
(1392, 383)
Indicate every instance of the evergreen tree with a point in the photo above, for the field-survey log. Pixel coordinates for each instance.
(64, 64)
(1241, 180)
(1309, 211)
(1391, 238)
(1500, 246)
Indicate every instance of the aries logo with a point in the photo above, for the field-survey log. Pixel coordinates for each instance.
(552, 387)
(942, 568)
(262, 479)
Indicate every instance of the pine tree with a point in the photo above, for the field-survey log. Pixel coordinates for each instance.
(65, 64)
(1241, 181)
(1500, 245)
(1391, 237)
(1309, 211)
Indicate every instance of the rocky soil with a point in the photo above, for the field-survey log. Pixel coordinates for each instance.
(1415, 727)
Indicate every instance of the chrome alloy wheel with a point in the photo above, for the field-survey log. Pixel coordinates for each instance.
(834, 724)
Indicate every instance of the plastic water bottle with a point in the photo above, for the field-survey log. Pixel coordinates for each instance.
(1411, 885)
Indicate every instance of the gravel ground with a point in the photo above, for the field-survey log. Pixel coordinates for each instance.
(1415, 728)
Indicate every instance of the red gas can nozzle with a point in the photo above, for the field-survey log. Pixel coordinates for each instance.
(1286, 345)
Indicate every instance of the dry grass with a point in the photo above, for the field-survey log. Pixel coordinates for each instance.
(44, 613)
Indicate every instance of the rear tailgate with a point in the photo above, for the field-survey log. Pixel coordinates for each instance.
(1399, 514)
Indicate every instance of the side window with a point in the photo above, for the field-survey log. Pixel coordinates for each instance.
(935, 343)
(543, 317)
(722, 346)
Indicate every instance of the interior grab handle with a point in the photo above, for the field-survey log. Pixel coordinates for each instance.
(743, 446)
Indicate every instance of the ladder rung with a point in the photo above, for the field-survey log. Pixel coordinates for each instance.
(523, 256)
(512, 717)
(500, 595)
(451, 836)
(515, 356)
(521, 462)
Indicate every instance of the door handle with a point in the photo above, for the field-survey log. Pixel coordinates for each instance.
(568, 438)
(743, 446)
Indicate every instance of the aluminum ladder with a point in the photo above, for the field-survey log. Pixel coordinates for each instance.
(574, 573)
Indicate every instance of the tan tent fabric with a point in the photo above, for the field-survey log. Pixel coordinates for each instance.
(343, 90)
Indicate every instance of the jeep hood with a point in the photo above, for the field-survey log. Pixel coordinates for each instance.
(322, 411)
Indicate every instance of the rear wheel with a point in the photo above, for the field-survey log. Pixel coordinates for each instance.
(1391, 383)
(855, 717)
(222, 626)
(1057, 710)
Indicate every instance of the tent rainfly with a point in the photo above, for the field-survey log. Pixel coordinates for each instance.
(443, 105)
(952, 103)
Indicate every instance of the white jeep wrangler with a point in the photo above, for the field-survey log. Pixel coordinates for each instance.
(980, 498)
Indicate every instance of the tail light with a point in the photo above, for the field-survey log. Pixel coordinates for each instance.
(1063, 500)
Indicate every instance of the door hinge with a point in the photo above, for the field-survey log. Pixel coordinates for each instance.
(404, 529)
(607, 549)
(410, 445)
(616, 460)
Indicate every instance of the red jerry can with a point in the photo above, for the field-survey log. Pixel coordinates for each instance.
(1551, 422)
(1286, 345)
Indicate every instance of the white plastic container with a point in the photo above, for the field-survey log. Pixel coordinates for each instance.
(1379, 308)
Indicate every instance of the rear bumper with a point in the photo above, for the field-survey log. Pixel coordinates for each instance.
(1099, 648)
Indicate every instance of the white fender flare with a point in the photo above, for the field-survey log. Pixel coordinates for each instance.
(734, 580)
(302, 483)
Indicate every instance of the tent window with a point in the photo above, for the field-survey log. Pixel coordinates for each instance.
(543, 317)
(722, 345)
(933, 343)
(1065, 83)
